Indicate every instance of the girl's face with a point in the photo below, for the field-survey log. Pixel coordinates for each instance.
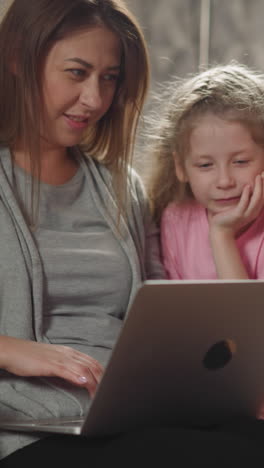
(79, 82)
(221, 160)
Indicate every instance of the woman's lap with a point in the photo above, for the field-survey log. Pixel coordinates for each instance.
(225, 446)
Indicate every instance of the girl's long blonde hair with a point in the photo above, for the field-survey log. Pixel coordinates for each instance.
(231, 91)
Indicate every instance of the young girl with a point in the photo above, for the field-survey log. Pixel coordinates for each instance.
(207, 188)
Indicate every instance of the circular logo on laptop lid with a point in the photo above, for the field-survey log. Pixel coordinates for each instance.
(219, 354)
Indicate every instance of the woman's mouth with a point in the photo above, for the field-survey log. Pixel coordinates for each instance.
(76, 122)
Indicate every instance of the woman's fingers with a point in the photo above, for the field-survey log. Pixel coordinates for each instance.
(83, 360)
(95, 366)
(76, 367)
(77, 375)
(80, 369)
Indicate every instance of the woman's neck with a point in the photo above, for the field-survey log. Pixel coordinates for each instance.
(56, 166)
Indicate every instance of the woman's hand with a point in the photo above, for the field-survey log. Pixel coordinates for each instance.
(248, 208)
(32, 359)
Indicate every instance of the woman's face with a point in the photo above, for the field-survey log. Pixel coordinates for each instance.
(79, 82)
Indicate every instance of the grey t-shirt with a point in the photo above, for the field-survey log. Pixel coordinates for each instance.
(84, 265)
(22, 284)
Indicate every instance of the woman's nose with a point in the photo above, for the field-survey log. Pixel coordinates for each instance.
(90, 95)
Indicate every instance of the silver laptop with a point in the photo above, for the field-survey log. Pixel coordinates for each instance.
(189, 353)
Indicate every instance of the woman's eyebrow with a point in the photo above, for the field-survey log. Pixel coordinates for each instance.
(89, 65)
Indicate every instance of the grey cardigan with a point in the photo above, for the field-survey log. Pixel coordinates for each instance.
(21, 283)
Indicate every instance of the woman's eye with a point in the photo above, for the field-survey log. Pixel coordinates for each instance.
(77, 72)
(110, 77)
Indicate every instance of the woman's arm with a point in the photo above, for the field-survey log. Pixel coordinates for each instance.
(32, 359)
(145, 230)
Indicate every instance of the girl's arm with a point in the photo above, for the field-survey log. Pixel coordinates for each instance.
(32, 359)
(226, 255)
(225, 226)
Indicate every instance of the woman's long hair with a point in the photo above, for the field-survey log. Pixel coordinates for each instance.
(27, 33)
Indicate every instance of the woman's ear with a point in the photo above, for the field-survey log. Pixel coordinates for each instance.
(13, 68)
(14, 59)
(179, 169)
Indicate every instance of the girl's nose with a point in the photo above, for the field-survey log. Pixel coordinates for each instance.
(90, 95)
(225, 179)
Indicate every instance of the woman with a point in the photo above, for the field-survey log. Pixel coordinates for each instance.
(74, 74)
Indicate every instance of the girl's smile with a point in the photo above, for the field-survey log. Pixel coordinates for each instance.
(227, 201)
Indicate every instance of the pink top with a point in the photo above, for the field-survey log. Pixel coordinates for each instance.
(186, 249)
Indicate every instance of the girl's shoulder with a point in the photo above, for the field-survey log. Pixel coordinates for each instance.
(183, 211)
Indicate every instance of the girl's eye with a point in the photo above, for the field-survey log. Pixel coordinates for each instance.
(205, 165)
(241, 161)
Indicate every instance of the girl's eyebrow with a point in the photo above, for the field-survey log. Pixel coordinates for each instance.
(89, 65)
(201, 156)
(241, 151)
(238, 152)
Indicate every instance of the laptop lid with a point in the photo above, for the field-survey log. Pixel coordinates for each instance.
(189, 353)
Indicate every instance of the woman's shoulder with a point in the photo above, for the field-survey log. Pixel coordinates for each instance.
(134, 178)
(136, 183)
(136, 193)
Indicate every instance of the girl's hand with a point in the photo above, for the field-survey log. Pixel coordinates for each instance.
(31, 359)
(248, 208)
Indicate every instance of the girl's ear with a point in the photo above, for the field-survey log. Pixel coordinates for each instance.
(179, 169)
